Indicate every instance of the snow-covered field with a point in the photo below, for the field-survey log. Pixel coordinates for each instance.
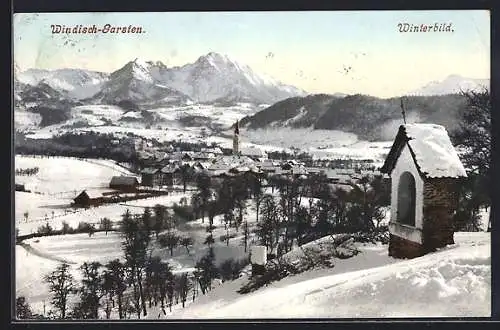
(302, 138)
(24, 120)
(224, 116)
(41, 255)
(57, 182)
(453, 282)
(38, 206)
(59, 175)
(113, 212)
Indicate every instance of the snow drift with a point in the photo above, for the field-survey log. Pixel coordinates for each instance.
(453, 282)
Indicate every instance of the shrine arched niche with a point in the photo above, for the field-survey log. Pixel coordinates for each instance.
(406, 199)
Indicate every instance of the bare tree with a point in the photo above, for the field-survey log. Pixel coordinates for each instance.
(169, 240)
(115, 271)
(91, 290)
(61, 285)
(135, 247)
(105, 225)
(246, 235)
(184, 287)
(187, 242)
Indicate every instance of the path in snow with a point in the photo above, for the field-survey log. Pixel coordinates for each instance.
(45, 255)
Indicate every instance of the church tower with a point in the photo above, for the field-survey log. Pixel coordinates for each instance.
(236, 139)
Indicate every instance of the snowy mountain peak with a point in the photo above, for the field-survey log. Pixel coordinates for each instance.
(454, 77)
(140, 62)
(216, 57)
(215, 61)
(216, 77)
(452, 84)
(138, 69)
(141, 82)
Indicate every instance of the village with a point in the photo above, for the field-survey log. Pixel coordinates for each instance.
(160, 170)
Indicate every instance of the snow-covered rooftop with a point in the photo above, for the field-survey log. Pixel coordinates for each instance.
(253, 152)
(234, 160)
(432, 149)
(132, 114)
(434, 153)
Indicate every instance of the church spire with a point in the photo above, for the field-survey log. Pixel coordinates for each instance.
(236, 141)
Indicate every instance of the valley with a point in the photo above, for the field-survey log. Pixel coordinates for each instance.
(167, 177)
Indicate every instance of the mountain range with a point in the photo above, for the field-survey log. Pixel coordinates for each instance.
(72, 83)
(211, 78)
(452, 84)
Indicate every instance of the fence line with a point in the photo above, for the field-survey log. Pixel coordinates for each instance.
(80, 210)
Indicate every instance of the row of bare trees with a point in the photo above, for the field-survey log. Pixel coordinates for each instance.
(300, 209)
(131, 286)
(307, 208)
(27, 171)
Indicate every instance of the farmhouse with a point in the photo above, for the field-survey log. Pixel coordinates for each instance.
(337, 177)
(214, 150)
(314, 170)
(87, 198)
(151, 177)
(171, 175)
(425, 171)
(20, 187)
(201, 166)
(254, 153)
(124, 183)
(269, 166)
(203, 156)
(179, 157)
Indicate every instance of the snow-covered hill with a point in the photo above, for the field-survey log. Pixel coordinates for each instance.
(366, 116)
(451, 85)
(453, 282)
(75, 83)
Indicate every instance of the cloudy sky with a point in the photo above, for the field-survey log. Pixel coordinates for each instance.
(318, 51)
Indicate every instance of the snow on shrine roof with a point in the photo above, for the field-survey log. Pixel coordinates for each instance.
(431, 149)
